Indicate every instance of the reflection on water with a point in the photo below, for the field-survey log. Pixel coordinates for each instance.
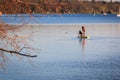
(82, 43)
(3, 60)
(63, 56)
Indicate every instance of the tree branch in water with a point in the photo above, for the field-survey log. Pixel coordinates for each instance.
(15, 52)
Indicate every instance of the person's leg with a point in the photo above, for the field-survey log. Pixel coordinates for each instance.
(81, 35)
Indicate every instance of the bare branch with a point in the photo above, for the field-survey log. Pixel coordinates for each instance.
(15, 52)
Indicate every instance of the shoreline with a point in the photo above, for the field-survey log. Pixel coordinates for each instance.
(64, 19)
(66, 24)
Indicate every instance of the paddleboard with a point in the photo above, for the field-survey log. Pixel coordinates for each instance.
(87, 37)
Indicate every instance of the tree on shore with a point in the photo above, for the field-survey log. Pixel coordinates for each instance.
(93, 1)
(67, 6)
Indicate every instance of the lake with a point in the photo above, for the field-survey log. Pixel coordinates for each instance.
(59, 19)
(64, 56)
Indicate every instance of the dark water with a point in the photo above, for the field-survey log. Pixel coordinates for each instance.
(60, 19)
(63, 56)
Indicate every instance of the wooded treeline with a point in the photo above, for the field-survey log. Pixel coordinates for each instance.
(57, 6)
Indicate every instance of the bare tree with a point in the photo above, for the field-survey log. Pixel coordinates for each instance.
(110, 0)
(12, 43)
(93, 1)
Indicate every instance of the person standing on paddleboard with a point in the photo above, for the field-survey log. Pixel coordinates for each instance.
(82, 33)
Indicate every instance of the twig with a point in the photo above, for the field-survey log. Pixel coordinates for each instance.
(21, 49)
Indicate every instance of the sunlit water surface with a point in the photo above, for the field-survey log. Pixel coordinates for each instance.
(63, 56)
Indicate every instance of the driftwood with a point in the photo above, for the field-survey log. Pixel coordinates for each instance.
(15, 52)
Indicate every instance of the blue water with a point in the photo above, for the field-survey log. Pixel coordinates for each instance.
(61, 55)
(60, 19)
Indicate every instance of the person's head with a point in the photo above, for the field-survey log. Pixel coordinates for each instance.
(83, 27)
